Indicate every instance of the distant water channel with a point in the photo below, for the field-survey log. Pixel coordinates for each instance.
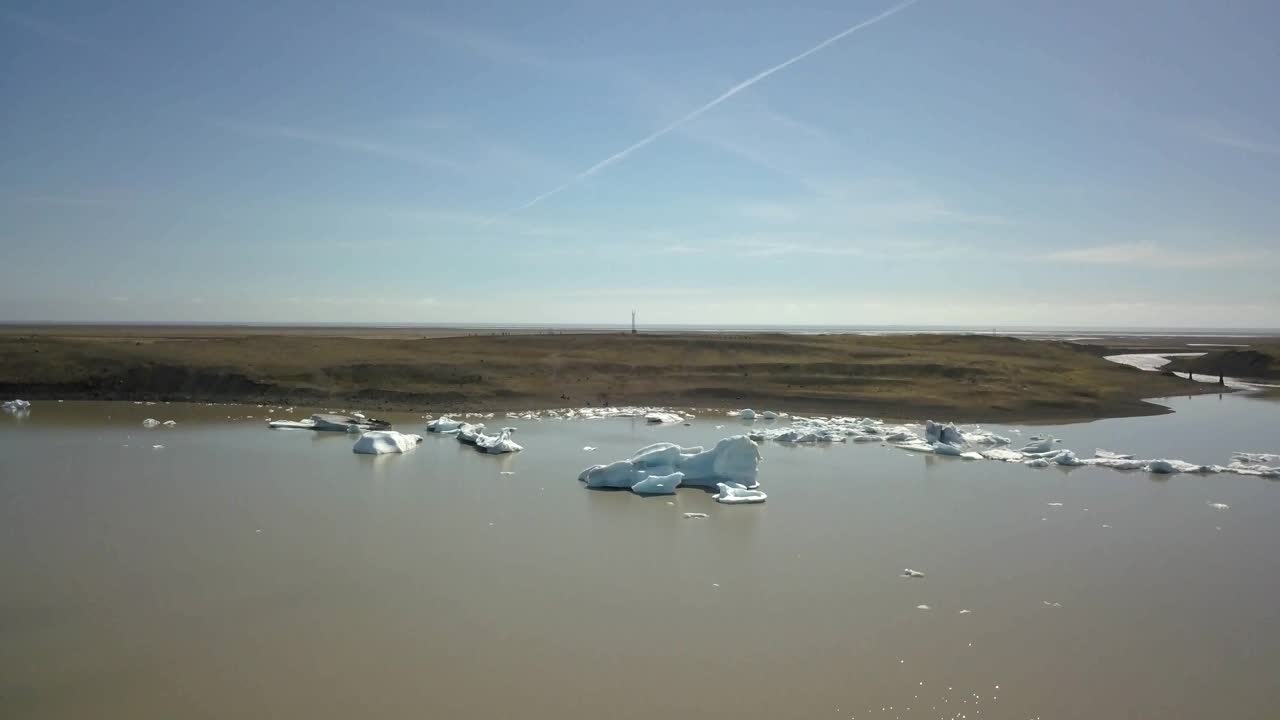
(244, 572)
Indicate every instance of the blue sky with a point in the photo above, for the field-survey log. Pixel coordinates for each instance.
(971, 162)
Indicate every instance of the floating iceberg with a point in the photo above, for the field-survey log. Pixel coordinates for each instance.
(696, 516)
(736, 494)
(909, 573)
(381, 442)
(444, 424)
(498, 444)
(468, 434)
(150, 423)
(16, 406)
(747, 414)
(770, 415)
(734, 460)
(169, 423)
(1108, 455)
(947, 434)
(1167, 467)
(663, 417)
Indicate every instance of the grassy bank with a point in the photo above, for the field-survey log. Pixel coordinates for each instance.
(1260, 363)
(955, 377)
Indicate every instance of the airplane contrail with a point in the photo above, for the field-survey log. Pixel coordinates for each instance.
(699, 111)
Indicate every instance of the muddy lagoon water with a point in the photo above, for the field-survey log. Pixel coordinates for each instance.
(238, 571)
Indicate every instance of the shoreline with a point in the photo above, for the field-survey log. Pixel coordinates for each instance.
(959, 378)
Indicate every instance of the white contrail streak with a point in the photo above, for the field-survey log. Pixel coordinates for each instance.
(721, 98)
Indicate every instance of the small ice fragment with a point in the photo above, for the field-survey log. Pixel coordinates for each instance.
(909, 573)
(736, 494)
(1051, 604)
(964, 612)
(1055, 504)
(157, 447)
(258, 530)
(169, 423)
(715, 584)
(506, 472)
(696, 515)
(1105, 525)
(588, 448)
(923, 607)
(1219, 506)
(150, 423)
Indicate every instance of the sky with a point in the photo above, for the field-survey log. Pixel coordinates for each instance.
(855, 162)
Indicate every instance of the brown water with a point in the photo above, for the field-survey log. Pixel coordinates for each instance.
(242, 572)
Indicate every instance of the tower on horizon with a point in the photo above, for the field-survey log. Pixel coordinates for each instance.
(633, 322)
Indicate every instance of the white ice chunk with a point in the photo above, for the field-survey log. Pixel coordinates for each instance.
(468, 434)
(1219, 506)
(1108, 455)
(620, 474)
(769, 415)
(938, 433)
(169, 423)
(735, 494)
(498, 444)
(747, 414)
(696, 516)
(150, 423)
(444, 424)
(307, 424)
(381, 442)
(1166, 467)
(909, 573)
(733, 459)
(1003, 454)
(663, 418)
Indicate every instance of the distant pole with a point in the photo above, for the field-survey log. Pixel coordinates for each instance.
(633, 322)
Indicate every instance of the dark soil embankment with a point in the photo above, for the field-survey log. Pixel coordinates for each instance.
(958, 377)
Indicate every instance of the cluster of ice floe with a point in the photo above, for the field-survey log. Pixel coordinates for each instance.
(977, 444)
(651, 414)
(154, 423)
(469, 434)
(332, 422)
(749, 414)
(730, 467)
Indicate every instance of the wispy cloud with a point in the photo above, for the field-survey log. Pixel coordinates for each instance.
(769, 248)
(483, 44)
(346, 143)
(679, 250)
(1237, 142)
(1150, 254)
(697, 112)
